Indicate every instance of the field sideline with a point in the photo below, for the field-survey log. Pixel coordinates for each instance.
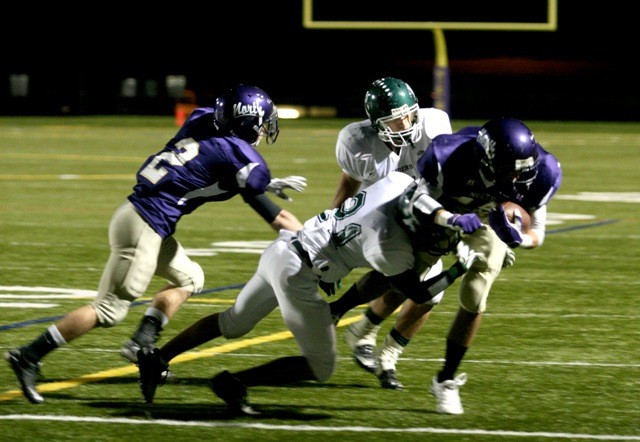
(555, 359)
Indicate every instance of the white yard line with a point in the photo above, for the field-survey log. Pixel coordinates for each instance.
(314, 428)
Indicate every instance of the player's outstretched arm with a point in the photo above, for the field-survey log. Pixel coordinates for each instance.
(277, 217)
(286, 220)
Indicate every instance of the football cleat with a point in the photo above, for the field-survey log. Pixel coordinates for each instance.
(447, 394)
(229, 388)
(363, 352)
(388, 355)
(130, 350)
(153, 372)
(389, 380)
(26, 372)
(365, 358)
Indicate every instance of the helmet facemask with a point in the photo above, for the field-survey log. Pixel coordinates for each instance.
(268, 129)
(247, 112)
(400, 138)
(513, 182)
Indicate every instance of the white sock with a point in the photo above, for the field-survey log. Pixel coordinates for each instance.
(56, 335)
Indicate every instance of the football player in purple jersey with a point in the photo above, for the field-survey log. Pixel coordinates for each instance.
(212, 158)
(472, 171)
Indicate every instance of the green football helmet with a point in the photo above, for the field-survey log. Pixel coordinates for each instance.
(387, 99)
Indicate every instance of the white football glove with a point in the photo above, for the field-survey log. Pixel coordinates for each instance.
(466, 255)
(277, 185)
(509, 258)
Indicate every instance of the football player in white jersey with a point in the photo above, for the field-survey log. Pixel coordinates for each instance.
(379, 228)
(394, 137)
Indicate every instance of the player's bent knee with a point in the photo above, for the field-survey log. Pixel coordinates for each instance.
(230, 328)
(474, 289)
(322, 367)
(472, 307)
(110, 310)
(193, 279)
(197, 278)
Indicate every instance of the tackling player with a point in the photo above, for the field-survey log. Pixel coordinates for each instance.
(212, 158)
(378, 228)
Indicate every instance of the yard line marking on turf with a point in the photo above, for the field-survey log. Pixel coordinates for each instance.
(70, 157)
(313, 428)
(607, 197)
(27, 305)
(530, 363)
(583, 226)
(71, 293)
(66, 177)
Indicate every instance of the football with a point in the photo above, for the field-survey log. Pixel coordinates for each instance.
(510, 207)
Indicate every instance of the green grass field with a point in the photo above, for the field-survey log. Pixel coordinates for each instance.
(556, 357)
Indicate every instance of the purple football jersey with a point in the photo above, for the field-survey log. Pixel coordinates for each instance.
(451, 167)
(196, 166)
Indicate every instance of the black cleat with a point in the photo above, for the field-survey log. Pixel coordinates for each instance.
(26, 372)
(153, 372)
(389, 380)
(228, 388)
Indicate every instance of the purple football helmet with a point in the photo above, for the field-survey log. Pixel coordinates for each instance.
(247, 112)
(511, 156)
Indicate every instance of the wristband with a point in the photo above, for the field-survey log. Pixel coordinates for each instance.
(442, 217)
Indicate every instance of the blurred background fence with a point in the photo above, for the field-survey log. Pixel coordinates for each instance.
(120, 60)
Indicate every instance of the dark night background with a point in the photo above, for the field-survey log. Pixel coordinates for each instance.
(77, 57)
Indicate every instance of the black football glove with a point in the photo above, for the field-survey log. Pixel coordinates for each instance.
(328, 287)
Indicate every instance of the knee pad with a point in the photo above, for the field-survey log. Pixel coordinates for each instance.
(189, 277)
(477, 282)
(474, 289)
(197, 278)
(110, 310)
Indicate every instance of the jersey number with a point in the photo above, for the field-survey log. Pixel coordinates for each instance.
(347, 209)
(185, 150)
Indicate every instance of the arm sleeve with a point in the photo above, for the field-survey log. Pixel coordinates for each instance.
(539, 222)
(266, 208)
